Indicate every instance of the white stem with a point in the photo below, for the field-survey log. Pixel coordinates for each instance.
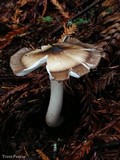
(53, 118)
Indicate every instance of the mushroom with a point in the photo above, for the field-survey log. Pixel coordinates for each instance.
(64, 59)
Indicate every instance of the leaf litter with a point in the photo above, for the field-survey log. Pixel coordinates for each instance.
(92, 103)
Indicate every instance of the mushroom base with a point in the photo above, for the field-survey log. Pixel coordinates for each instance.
(55, 124)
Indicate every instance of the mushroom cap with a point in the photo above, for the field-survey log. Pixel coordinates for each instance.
(64, 59)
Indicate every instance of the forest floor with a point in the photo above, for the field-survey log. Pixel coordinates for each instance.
(91, 106)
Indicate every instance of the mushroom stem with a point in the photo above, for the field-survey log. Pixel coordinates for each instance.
(53, 118)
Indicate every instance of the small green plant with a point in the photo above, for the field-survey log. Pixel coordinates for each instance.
(47, 19)
(109, 10)
(79, 21)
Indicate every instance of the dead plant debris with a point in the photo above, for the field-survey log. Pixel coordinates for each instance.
(91, 130)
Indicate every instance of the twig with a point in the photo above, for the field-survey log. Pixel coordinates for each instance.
(85, 10)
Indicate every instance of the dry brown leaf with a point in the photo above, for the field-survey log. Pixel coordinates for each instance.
(77, 150)
(8, 38)
(109, 137)
(42, 155)
(16, 16)
(109, 3)
(45, 7)
(13, 91)
(68, 31)
(23, 2)
(60, 8)
(104, 80)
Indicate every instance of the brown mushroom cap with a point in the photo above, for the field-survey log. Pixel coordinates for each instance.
(70, 55)
(15, 61)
